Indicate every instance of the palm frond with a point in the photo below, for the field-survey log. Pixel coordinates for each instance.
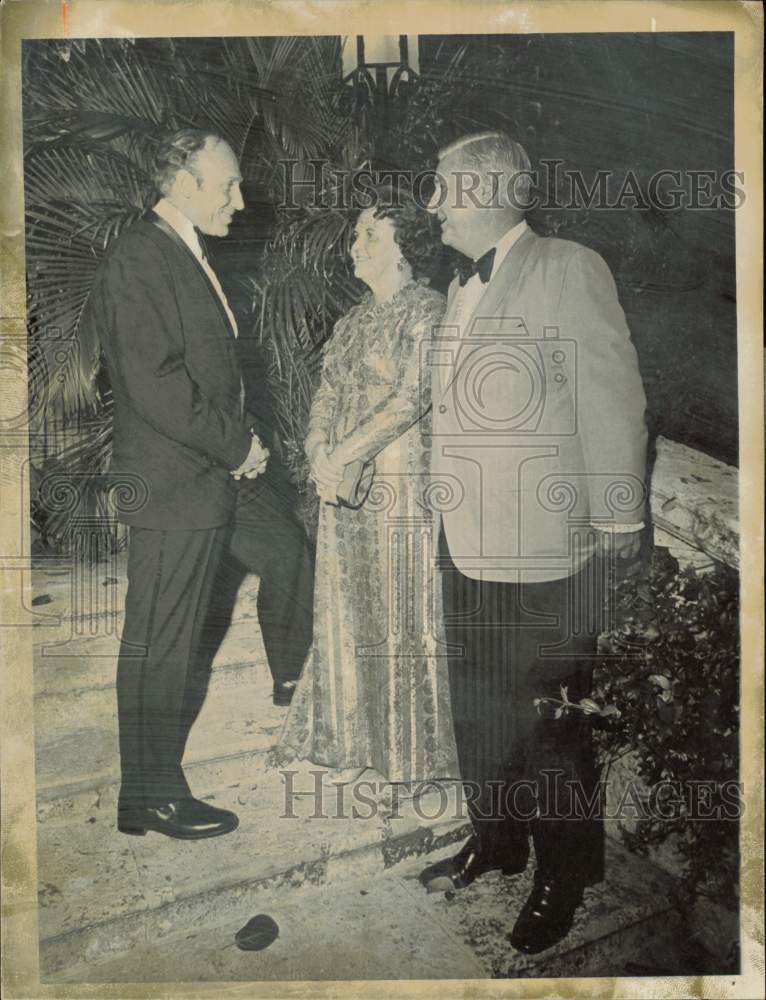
(299, 74)
(94, 111)
(78, 200)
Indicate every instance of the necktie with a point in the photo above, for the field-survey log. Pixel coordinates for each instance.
(482, 267)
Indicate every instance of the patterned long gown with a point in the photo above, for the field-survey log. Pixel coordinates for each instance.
(374, 689)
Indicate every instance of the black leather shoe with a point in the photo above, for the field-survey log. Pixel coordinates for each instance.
(468, 864)
(284, 691)
(547, 915)
(185, 819)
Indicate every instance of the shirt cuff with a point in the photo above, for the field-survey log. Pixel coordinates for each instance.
(619, 529)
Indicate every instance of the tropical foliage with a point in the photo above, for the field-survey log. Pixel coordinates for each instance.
(667, 694)
(678, 711)
(94, 111)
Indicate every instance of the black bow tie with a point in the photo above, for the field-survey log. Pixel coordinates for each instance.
(482, 267)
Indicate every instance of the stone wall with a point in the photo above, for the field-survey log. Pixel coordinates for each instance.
(695, 506)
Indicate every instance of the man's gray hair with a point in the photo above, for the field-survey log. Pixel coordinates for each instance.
(178, 151)
(501, 162)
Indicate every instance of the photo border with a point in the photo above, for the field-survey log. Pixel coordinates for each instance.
(21, 19)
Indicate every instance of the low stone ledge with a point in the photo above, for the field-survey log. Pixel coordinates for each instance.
(695, 504)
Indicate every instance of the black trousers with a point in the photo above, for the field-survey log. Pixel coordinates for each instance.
(524, 770)
(164, 662)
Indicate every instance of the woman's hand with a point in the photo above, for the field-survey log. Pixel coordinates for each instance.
(315, 447)
(312, 442)
(326, 471)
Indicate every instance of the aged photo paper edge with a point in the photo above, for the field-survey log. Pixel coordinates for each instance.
(105, 18)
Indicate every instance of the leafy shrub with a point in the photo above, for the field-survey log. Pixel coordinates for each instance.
(667, 691)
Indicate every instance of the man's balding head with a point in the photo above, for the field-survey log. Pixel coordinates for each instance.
(198, 172)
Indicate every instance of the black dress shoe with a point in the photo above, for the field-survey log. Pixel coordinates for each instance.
(469, 863)
(547, 915)
(185, 819)
(284, 691)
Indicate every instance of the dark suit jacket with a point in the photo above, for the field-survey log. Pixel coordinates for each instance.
(170, 355)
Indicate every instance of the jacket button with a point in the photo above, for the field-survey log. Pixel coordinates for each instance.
(559, 377)
(442, 408)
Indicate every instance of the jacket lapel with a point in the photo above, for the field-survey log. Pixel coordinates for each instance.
(168, 230)
(498, 289)
(440, 373)
(454, 285)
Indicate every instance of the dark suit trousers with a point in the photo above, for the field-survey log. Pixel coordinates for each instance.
(526, 772)
(164, 662)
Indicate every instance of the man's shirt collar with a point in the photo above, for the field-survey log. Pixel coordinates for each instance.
(504, 244)
(183, 226)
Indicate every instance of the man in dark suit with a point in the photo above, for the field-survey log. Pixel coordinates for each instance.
(180, 428)
(538, 429)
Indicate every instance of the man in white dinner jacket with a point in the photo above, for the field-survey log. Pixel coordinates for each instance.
(539, 437)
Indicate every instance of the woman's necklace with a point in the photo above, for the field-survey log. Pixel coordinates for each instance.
(373, 308)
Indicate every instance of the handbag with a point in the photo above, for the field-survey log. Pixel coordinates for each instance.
(355, 485)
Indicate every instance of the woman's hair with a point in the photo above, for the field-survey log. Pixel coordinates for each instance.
(415, 230)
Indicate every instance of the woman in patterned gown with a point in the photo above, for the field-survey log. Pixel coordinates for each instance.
(374, 689)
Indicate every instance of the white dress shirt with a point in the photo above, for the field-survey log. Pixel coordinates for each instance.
(467, 296)
(185, 229)
(464, 303)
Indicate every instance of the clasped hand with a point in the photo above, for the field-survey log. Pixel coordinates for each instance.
(255, 462)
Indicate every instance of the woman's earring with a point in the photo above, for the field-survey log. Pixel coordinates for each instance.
(400, 263)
